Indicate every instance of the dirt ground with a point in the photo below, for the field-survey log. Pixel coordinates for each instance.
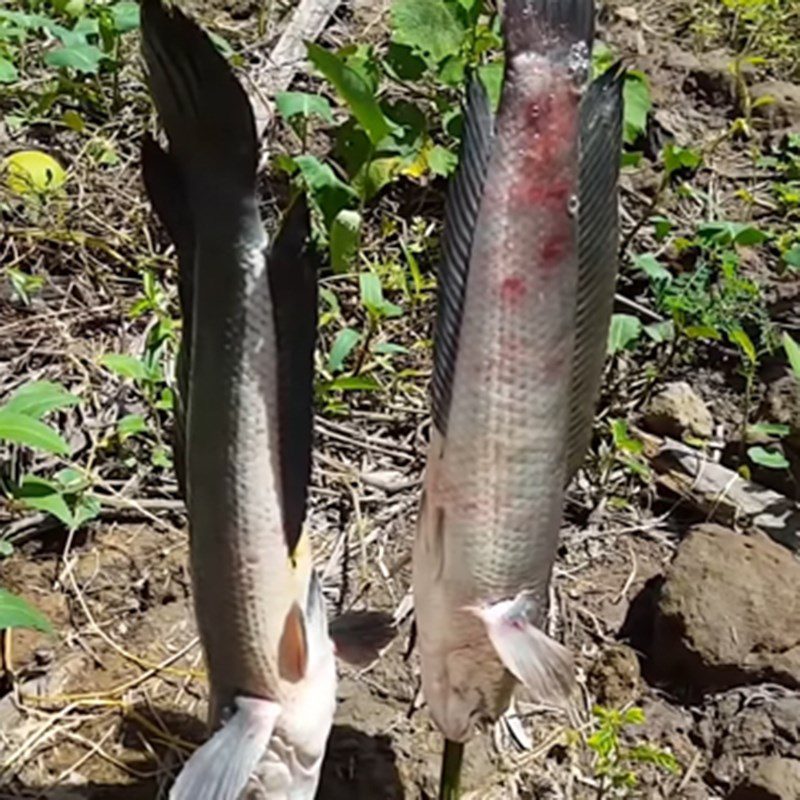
(108, 707)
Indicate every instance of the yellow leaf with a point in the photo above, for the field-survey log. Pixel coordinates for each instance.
(33, 172)
(419, 166)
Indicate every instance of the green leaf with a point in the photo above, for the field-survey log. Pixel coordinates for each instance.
(371, 292)
(329, 192)
(8, 72)
(724, 232)
(634, 716)
(792, 350)
(771, 459)
(18, 613)
(623, 440)
(677, 158)
(302, 104)
(774, 429)
(652, 267)
(428, 26)
(603, 58)
(452, 71)
(126, 16)
(354, 90)
(25, 430)
(631, 159)
(374, 175)
(87, 507)
(6, 548)
(372, 297)
(491, 76)
(661, 332)
(162, 458)
(354, 383)
(125, 366)
(404, 62)
(662, 227)
(44, 495)
(388, 349)
(38, 398)
(345, 239)
(744, 343)
(792, 257)
(83, 58)
(636, 96)
(624, 331)
(130, 425)
(342, 346)
(442, 161)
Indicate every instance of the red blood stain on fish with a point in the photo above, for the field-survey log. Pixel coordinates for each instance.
(554, 250)
(545, 131)
(513, 290)
(551, 195)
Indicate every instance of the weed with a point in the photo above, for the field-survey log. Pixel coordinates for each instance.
(764, 30)
(79, 42)
(617, 766)
(67, 495)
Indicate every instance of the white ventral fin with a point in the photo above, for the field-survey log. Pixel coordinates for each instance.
(220, 769)
(540, 663)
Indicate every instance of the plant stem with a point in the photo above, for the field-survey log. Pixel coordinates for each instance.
(449, 787)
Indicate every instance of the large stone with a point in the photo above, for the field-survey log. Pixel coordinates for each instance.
(770, 778)
(677, 409)
(782, 103)
(782, 405)
(728, 613)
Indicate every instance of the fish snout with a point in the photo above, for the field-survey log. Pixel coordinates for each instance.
(463, 688)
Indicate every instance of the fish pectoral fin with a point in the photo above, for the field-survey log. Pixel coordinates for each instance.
(359, 636)
(293, 646)
(220, 769)
(540, 663)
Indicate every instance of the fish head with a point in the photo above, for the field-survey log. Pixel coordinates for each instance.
(463, 680)
(301, 734)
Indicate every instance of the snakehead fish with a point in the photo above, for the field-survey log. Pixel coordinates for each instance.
(525, 295)
(244, 432)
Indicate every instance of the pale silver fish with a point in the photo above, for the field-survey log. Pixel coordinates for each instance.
(526, 290)
(244, 424)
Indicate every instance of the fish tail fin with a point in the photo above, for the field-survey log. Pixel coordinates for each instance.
(540, 663)
(221, 768)
(545, 26)
(204, 109)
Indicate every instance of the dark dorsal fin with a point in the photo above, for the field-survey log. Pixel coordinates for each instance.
(598, 234)
(461, 215)
(293, 288)
(165, 188)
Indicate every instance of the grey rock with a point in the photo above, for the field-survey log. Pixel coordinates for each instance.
(769, 778)
(677, 409)
(727, 613)
(783, 110)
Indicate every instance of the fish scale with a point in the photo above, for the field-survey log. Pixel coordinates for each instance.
(518, 323)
